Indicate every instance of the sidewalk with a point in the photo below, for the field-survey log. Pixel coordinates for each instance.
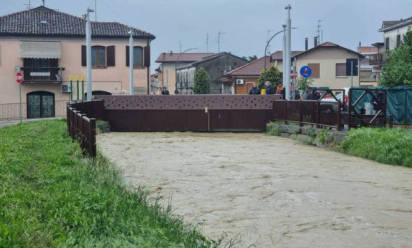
(7, 123)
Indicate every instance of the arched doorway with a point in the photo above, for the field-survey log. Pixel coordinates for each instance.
(40, 104)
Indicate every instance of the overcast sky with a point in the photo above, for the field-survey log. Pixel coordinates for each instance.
(245, 23)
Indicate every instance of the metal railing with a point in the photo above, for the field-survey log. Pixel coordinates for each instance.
(309, 112)
(10, 111)
(42, 74)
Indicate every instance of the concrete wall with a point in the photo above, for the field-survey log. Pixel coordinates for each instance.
(113, 79)
(394, 33)
(328, 58)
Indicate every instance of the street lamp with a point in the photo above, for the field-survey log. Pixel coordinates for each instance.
(268, 42)
(177, 62)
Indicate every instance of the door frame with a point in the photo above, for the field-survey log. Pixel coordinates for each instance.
(41, 94)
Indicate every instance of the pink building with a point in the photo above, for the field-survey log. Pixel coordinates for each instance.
(48, 46)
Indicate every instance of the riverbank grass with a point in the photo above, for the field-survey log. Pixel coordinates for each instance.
(50, 196)
(385, 145)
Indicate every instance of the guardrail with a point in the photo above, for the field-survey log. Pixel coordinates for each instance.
(83, 129)
(309, 112)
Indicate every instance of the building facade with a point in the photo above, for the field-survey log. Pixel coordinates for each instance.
(393, 32)
(216, 66)
(330, 64)
(48, 47)
(169, 62)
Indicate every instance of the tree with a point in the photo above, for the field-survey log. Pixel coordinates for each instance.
(273, 75)
(202, 82)
(398, 70)
(304, 84)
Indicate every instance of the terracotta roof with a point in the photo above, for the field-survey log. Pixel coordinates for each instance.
(329, 44)
(278, 55)
(367, 49)
(181, 57)
(389, 25)
(42, 21)
(253, 68)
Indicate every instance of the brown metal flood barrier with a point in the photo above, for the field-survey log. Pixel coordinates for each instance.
(309, 112)
(188, 112)
(81, 127)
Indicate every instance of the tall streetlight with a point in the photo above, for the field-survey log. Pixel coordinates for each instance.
(288, 53)
(89, 55)
(268, 42)
(131, 63)
(177, 62)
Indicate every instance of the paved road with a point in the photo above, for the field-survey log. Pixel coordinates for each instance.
(267, 191)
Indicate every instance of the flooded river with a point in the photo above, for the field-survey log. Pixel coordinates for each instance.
(267, 191)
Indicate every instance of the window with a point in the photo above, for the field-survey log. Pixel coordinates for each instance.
(315, 70)
(398, 40)
(341, 70)
(137, 56)
(102, 56)
(352, 67)
(387, 44)
(98, 56)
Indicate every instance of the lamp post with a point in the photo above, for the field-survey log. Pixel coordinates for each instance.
(177, 62)
(268, 42)
(131, 63)
(89, 55)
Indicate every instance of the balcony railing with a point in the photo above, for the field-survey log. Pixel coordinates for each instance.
(42, 74)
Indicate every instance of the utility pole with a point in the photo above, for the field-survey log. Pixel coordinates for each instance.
(89, 54)
(131, 63)
(288, 48)
(219, 37)
(284, 57)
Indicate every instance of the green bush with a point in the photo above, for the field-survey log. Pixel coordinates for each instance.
(272, 129)
(390, 146)
(53, 197)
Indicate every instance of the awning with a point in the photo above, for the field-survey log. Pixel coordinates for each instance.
(40, 50)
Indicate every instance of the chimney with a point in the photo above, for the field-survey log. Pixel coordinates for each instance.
(360, 44)
(306, 44)
(315, 41)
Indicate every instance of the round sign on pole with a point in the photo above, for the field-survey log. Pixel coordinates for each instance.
(306, 71)
(19, 77)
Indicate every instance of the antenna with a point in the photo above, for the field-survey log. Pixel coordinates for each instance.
(28, 4)
(219, 37)
(43, 1)
(319, 31)
(207, 42)
(95, 10)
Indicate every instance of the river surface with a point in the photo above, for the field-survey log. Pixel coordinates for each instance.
(261, 191)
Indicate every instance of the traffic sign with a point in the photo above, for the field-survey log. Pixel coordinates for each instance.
(306, 71)
(19, 77)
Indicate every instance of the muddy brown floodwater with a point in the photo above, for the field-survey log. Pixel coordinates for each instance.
(269, 192)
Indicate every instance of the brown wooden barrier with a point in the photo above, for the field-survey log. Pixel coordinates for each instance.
(188, 112)
(81, 127)
(309, 112)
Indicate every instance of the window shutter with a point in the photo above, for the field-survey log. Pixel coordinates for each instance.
(111, 61)
(315, 70)
(84, 63)
(147, 56)
(127, 56)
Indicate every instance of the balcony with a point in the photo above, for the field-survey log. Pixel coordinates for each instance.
(33, 75)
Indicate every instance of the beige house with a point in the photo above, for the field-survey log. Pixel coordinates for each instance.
(170, 61)
(330, 64)
(47, 46)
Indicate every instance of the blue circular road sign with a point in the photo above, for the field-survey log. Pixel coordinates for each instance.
(305, 71)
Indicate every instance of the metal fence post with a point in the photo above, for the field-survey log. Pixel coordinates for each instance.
(338, 117)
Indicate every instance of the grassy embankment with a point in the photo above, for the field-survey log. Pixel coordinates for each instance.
(50, 196)
(385, 145)
(389, 146)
